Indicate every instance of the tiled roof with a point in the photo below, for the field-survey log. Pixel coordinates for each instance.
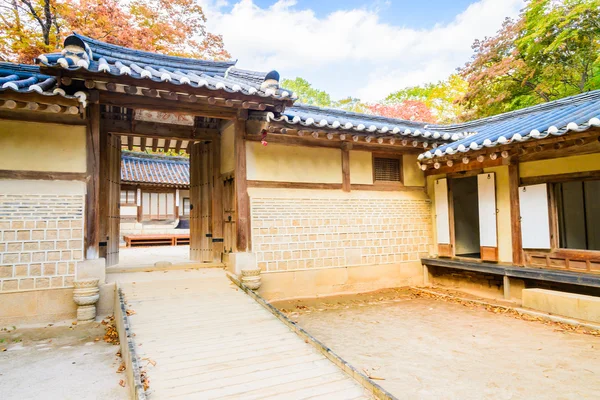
(571, 114)
(320, 117)
(155, 169)
(99, 57)
(23, 78)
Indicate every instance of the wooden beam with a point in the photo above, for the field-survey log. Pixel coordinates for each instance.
(49, 118)
(167, 145)
(92, 215)
(309, 141)
(143, 143)
(557, 178)
(345, 169)
(460, 166)
(515, 214)
(130, 143)
(159, 104)
(43, 175)
(388, 188)
(154, 144)
(158, 130)
(294, 185)
(217, 201)
(38, 98)
(178, 146)
(241, 188)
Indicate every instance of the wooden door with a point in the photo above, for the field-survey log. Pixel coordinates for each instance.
(535, 220)
(442, 217)
(200, 203)
(113, 186)
(488, 237)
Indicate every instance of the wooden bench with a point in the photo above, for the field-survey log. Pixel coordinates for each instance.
(153, 240)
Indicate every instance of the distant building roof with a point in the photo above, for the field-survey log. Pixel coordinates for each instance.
(100, 57)
(571, 114)
(153, 169)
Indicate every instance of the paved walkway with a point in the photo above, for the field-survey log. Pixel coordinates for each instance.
(210, 340)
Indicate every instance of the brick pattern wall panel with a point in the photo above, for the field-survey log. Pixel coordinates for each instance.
(292, 234)
(41, 240)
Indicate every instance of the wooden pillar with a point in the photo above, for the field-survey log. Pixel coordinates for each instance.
(506, 287)
(92, 198)
(515, 213)
(217, 201)
(103, 196)
(241, 188)
(345, 169)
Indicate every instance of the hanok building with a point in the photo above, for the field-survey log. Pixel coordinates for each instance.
(155, 199)
(323, 201)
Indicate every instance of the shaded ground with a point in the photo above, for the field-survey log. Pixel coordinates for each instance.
(428, 348)
(61, 361)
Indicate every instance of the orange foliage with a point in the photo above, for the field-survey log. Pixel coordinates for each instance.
(412, 110)
(174, 27)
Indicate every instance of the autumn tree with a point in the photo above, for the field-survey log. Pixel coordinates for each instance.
(549, 52)
(441, 98)
(411, 110)
(175, 27)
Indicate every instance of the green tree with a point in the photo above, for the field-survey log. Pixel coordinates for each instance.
(551, 51)
(306, 93)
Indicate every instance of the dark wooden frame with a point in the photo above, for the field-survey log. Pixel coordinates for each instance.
(387, 184)
(557, 257)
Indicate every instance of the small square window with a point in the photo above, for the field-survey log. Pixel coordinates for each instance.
(387, 169)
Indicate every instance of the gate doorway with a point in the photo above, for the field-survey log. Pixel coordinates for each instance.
(200, 140)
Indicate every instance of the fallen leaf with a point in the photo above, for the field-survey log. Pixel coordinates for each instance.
(122, 383)
(74, 323)
(4, 349)
(121, 368)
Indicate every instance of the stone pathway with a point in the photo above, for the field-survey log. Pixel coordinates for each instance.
(210, 340)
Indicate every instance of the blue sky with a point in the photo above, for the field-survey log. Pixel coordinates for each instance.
(358, 48)
(398, 12)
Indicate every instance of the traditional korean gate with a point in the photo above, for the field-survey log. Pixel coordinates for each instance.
(113, 185)
(201, 248)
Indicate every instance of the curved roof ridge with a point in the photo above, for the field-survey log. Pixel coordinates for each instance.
(582, 97)
(103, 49)
(352, 114)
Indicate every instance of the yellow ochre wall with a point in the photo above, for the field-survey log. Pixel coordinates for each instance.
(32, 146)
(281, 163)
(361, 167)
(563, 165)
(413, 176)
(227, 148)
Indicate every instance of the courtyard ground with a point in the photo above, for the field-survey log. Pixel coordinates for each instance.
(60, 361)
(420, 346)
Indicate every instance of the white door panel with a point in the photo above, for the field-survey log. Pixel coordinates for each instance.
(442, 219)
(535, 222)
(486, 189)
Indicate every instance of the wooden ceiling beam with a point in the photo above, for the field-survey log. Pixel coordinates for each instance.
(167, 145)
(130, 143)
(143, 144)
(160, 104)
(154, 144)
(158, 130)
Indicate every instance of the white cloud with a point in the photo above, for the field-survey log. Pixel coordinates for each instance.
(352, 52)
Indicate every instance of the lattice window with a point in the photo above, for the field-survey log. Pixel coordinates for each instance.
(387, 169)
(128, 196)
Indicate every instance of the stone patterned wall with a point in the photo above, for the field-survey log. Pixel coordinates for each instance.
(305, 233)
(41, 240)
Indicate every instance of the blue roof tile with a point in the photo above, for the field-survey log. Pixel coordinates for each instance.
(155, 169)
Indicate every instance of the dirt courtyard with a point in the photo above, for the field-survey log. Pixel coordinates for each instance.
(424, 347)
(60, 361)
